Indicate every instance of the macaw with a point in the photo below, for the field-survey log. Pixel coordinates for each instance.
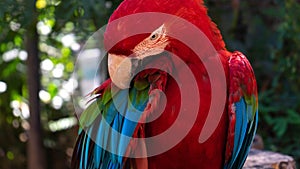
(124, 103)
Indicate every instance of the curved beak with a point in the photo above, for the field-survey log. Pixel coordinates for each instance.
(121, 69)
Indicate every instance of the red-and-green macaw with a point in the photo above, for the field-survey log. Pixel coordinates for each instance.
(120, 97)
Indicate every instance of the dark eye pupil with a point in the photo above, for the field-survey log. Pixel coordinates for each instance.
(153, 36)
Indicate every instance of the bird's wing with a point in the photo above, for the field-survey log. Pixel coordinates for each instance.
(103, 120)
(242, 111)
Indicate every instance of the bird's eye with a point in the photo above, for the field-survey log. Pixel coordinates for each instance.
(154, 36)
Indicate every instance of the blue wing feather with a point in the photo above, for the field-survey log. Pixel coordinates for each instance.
(244, 133)
(240, 127)
(243, 107)
(94, 140)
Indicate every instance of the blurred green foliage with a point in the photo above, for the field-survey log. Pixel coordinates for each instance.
(268, 32)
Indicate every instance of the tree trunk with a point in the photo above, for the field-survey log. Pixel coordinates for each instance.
(35, 150)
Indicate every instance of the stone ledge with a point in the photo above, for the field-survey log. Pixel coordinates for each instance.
(260, 159)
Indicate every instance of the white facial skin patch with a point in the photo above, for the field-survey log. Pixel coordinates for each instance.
(152, 45)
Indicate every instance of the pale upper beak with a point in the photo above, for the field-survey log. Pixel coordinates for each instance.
(121, 70)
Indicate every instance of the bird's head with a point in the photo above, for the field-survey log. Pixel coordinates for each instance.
(123, 66)
(126, 51)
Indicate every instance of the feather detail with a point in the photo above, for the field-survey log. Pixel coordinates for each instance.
(242, 111)
(90, 114)
(111, 112)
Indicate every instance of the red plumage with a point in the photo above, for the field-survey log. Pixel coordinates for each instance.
(220, 150)
(191, 10)
(189, 153)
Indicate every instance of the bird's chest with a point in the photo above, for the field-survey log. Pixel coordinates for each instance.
(186, 122)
